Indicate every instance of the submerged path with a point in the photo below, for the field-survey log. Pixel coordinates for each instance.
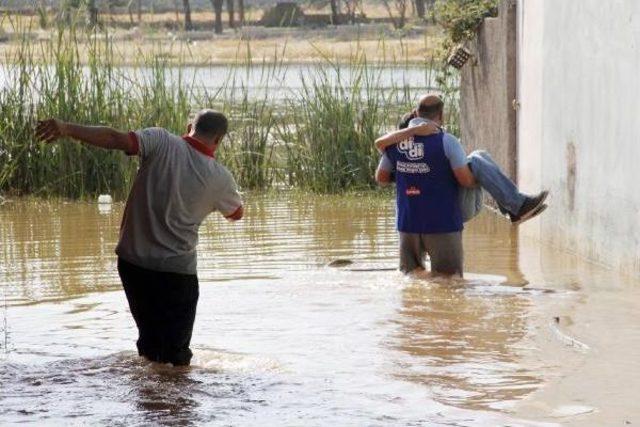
(531, 337)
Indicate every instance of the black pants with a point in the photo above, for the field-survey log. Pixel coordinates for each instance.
(164, 308)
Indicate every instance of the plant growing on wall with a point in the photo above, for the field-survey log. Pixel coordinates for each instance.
(461, 18)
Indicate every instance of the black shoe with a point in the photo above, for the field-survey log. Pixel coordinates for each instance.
(531, 207)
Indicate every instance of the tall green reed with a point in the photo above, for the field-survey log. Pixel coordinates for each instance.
(317, 138)
(52, 79)
(250, 150)
(334, 120)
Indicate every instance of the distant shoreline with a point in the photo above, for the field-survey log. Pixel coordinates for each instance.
(378, 43)
(235, 52)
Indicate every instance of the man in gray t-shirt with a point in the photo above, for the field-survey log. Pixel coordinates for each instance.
(179, 182)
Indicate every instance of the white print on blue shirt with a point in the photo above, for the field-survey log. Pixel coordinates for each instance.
(412, 150)
(409, 167)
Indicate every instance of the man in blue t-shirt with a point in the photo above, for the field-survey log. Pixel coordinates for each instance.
(431, 168)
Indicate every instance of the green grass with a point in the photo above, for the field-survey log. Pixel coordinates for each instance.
(320, 138)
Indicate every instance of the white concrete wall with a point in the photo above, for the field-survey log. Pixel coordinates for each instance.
(579, 124)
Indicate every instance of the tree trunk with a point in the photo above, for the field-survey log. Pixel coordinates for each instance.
(139, 12)
(110, 12)
(402, 14)
(217, 10)
(188, 25)
(241, 12)
(92, 13)
(420, 9)
(400, 7)
(430, 4)
(130, 10)
(231, 13)
(177, 10)
(334, 12)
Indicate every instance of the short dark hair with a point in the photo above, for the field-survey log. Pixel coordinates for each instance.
(431, 111)
(210, 123)
(405, 119)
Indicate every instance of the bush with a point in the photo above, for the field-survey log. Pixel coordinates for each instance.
(461, 18)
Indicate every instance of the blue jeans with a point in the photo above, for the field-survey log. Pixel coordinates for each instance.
(489, 176)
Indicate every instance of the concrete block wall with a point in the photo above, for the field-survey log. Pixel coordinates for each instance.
(572, 67)
(578, 127)
(488, 88)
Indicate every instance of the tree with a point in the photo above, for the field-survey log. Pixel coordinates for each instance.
(92, 13)
(110, 5)
(130, 9)
(217, 10)
(397, 10)
(176, 9)
(188, 25)
(241, 12)
(350, 9)
(420, 8)
(65, 10)
(430, 6)
(231, 13)
(334, 12)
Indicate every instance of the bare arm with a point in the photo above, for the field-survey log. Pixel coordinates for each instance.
(108, 138)
(397, 136)
(383, 177)
(384, 172)
(464, 176)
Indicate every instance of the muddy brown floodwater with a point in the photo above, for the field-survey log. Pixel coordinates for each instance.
(533, 336)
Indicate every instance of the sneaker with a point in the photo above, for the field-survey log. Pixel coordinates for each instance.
(531, 207)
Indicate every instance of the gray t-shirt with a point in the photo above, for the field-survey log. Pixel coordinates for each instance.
(176, 187)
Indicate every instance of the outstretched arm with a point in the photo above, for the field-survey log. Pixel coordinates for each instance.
(395, 137)
(50, 130)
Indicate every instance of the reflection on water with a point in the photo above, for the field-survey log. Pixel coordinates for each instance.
(463, 346)
(281, 339)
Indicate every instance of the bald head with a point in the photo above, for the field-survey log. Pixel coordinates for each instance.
(430, 106)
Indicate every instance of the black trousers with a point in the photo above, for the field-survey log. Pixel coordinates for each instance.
(163, 306)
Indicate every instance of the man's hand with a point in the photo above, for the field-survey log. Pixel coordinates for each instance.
(99, 136)
(49, 130)
(425, 129)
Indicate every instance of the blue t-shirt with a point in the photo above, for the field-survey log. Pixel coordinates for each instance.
(453, 150)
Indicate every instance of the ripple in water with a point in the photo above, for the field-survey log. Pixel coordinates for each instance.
(124, 389)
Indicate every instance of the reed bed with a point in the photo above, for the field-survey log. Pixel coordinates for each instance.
(317, 137)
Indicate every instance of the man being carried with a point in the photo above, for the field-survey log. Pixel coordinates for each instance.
(431, 168)
(484, 173)
(178, 184)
